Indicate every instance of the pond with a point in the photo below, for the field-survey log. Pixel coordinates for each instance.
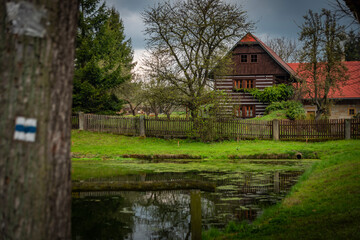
(175, 214)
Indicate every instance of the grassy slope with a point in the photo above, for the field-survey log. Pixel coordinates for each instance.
(279, 114)
(325, 204)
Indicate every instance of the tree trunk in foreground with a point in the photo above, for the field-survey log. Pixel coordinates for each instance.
(36, 71)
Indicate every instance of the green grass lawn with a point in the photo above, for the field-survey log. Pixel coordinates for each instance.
(100, 155)
(104, 145)
(324, 204)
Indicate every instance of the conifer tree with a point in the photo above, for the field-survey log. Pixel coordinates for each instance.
(103, 59)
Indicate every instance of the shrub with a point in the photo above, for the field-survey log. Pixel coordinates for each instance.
(293, 109)
(277, 93)
(275, 106)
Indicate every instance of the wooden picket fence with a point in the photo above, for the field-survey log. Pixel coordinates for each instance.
(211, 129)
(75, 122)
(111, 124)
(311, 129)
(162, 127)
(355, 128)
(221, 128)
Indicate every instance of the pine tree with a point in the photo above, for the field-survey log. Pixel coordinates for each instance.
(352, 47)
(103, 59)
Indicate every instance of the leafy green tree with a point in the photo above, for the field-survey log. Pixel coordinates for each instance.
(322, 71)
(352, 47)
(103, 59)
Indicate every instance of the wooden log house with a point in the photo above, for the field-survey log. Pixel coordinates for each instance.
(255, 66)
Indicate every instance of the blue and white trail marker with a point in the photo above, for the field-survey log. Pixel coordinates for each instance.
(25, 129)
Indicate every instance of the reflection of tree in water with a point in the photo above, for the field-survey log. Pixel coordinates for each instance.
(165, 214)
(100, 218)
(241, 196)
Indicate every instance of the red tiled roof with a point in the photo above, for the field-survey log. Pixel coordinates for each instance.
(351, 88)
(250, 38)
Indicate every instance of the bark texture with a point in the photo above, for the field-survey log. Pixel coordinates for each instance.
(36, 82)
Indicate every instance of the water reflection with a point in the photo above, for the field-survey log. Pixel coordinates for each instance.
(131, 215)
(168, 215)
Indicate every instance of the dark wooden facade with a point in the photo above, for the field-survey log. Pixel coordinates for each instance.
(255, 66)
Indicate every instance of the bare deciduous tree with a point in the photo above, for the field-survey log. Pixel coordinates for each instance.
(287, 49)
(321, 71)
(159, 93)
(347, 9)
(193, 38)
(132, 93)
(160, 97)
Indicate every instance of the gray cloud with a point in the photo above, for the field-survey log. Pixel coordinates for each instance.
(274, 18)
(281, 17)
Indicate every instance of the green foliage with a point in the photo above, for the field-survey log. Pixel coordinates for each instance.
(293, 109)
(204, 129)
(178, 113)
(276, 114)
(352, 47)
(103, 59)
(111, 146)
(277, 93)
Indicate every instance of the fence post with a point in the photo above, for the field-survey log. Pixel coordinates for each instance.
(81, 121)
(195, 212)
(276, 182)
(347, 129)
(276, 130)
(142, 126)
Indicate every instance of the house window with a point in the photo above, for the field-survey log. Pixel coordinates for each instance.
(310, 114)
(253, 58)
(248, 83)
(238, 111)
(237, 84)
(249, 111)
(241, 84)
(351, 111)
(243, 58)
(245, 111)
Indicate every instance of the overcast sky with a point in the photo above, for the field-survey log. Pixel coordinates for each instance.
(273, 18)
